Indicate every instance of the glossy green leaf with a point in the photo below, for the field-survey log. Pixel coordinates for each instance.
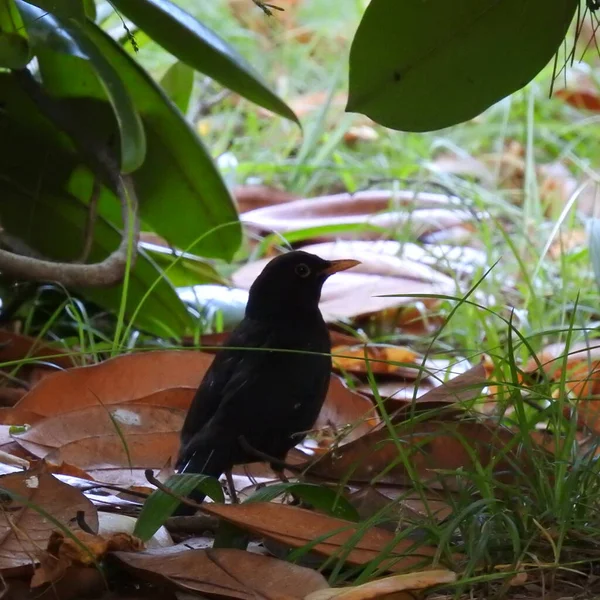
(422, 66)
(68, 9)
(182, 195)
(160, 506)
(44, 193)
(14, 46)
(182, 35)
(131, 130)
(178, 83)
(320, 496)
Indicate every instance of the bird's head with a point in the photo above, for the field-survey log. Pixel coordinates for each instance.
(291, 284)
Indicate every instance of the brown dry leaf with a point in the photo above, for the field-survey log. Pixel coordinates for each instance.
(359, 292)
(406, 211)
(342, 408)
(400, 504)
(24, 532)
(114, 444)
(435, 450)
(250, 197)
(223, 572)
(15, 347)
(581, 372)
(126, 378)
(380, 359)
(453, 260)
(86, 551)
(297, 527)
(360, 133)
(399, 587)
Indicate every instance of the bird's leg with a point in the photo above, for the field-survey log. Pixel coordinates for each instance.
(275, 463)
(231, 486)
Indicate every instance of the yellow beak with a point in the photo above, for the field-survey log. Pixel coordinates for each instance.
(335, 266)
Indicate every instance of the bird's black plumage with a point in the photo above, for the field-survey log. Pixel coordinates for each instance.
(268, 397)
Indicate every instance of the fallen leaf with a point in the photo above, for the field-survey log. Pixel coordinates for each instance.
(26, 526)
(360, 133)
(16, 347)
(250, 197)
(351, 415)
(126, 378)
(428, 213)
(297, 527)
(450, 259)
(114, 444)
(362, 291)
(400, 505)
(400, 587)
(380, 359)
(441, 453)
(223, 572)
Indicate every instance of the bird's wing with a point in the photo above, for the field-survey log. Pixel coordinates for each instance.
(230, 371)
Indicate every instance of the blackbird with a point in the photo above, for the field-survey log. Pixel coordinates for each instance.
(267, 397)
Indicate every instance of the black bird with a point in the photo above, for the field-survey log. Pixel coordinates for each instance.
(268, 398)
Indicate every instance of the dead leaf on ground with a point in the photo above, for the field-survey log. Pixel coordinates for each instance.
(398, 587)
(380, 359)
(297, 527)
(402, 505)
(349, 414)
(362, 291)
(449, 259)
(223, 572)
(24, 531)
(114, 444)
(580, 366)
(419, 213)
(16, 347)
(441, 453)
(126, 378)
(251, 197)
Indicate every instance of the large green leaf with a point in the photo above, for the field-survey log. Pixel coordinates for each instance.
(178, 83)
(38, 175)
(182, 195)
(14, 47)
(198, 46)
(131, 130)
(419, 65)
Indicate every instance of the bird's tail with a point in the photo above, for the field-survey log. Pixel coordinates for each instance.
(212, 462)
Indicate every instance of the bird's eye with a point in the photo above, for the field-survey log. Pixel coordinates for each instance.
(302, 270)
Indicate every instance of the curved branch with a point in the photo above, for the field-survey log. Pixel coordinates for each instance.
(112, 269)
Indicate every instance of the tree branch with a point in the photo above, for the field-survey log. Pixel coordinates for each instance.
(112, 269)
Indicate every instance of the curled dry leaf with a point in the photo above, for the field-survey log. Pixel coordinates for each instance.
(126, 378)
(223, 572)
(349, 414)
(114, 444)
(85, 550)
(16, 347)
(25, 527)
(400, 587)
(378, 209)
(362, 291)
(580, 366)
(451, 259)
(441, 453)
(380, 359)
(296, 527)
(250, 197)
(399, 505)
